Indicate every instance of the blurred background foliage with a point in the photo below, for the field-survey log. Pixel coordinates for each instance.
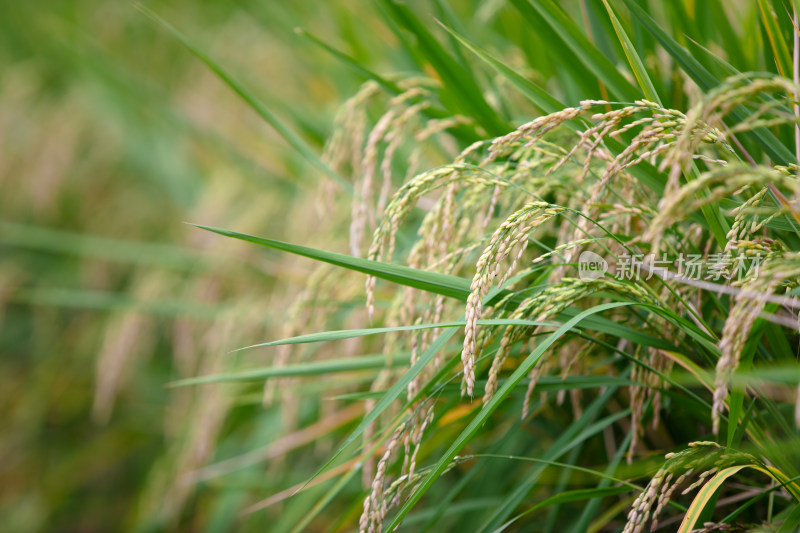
(112, 135)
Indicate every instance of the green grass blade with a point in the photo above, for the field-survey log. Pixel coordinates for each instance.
(579, 495)
(604, 476)
(464, 132)
(443, 284)
(783, 60)
(459, 84)
(638, 68)
(731, 42)
(389, 85)
(586, 52)
(704, 496)
(316, 368)
(539, 96)
(693, 68)
(600, 30)
(351, 333)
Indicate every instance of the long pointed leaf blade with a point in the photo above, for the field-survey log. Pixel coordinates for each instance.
(325, 336)
(586, 52)
(459, 84)
(467, 132)
(782, 58)
(536, 94)
(434, 282)
(315, 368)
(638, 68)
(704, 497)
(389, 85)
(444, 284)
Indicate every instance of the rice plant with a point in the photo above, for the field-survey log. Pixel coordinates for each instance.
(555, 285)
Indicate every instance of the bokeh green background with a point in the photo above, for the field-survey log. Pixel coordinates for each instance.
(112, 136)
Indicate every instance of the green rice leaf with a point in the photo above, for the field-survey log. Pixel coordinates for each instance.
(350, 333)
(434, 282)
(637, 66)
(539, 96)
(444, 284)
(459, 84)
(586, 52)
(315, 368)
(783, 59)
(792, 522)
(705, 496)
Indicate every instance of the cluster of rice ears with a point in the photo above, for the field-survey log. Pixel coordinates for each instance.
(513, 213)
(493, 300)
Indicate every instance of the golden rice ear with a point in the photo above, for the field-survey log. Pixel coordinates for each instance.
(697, 463)
(513, 233)
(797, 407)
(748, 304)
(375, 507)
(388, 131)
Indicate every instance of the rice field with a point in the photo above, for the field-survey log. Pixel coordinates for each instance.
(520, 265)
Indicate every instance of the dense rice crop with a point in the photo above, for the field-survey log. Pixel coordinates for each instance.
(548, 278)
